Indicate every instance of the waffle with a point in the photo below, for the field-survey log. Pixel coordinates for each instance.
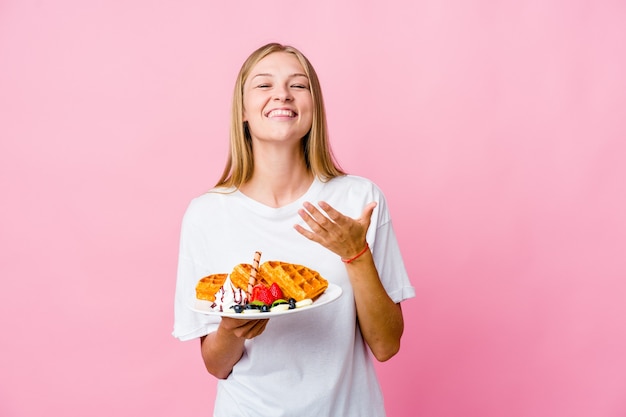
(296, 281)
(209, 285)
(240, 276)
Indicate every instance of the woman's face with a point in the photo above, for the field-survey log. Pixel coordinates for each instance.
(277, 102)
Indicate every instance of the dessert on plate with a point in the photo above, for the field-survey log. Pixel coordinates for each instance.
(253, 288)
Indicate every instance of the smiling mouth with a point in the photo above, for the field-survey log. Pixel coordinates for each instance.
(281, 113)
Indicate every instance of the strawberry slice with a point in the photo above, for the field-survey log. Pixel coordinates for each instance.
(264, 295)
(255, 292)
(276, 292)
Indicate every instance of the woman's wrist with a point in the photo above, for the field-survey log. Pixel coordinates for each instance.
(357, 256)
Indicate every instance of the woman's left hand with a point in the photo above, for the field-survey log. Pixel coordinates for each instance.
(340, 234)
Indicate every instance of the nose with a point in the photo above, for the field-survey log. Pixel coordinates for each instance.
(282, 93)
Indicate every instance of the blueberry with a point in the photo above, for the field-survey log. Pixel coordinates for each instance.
(265, 308)
(292, 303)
(238, 308)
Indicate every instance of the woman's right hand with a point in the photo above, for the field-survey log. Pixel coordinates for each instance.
(246, 329)
(222, 349)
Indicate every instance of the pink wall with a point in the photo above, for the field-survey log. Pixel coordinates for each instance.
(497, 130)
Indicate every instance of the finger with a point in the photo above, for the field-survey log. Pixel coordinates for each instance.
(333, 214)
(317, 215)
(233, 324)
(311, 221)
(368, 210)
(250, 328)
(303, 231)
(257, 328)
(307, 233)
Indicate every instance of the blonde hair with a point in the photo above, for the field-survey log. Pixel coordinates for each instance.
(315, 144)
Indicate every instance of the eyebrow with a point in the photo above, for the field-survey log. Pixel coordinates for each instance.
(266, 74)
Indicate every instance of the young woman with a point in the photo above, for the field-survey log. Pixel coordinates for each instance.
(283, 194)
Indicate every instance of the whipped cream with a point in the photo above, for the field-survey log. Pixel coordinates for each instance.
(228, 296)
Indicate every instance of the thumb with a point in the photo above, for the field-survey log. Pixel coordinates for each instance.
(367, 212)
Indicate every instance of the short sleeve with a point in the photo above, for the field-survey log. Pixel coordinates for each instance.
(189, 324)
(390, 264)
(387, 255)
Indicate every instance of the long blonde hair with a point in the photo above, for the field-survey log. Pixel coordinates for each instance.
(315, 144)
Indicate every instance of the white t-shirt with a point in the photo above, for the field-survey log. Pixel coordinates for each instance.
(307, 364)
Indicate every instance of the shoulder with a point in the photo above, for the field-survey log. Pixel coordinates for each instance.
(208, 201)
(356, 184)
(213, 195)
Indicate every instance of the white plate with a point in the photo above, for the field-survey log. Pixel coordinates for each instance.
(331, 294)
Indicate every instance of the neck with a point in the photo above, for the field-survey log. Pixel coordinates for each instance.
(280, 177)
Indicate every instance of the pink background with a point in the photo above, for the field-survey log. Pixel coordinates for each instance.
(496, 129)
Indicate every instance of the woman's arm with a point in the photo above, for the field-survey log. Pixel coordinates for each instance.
(380, 318)
(222, 349)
